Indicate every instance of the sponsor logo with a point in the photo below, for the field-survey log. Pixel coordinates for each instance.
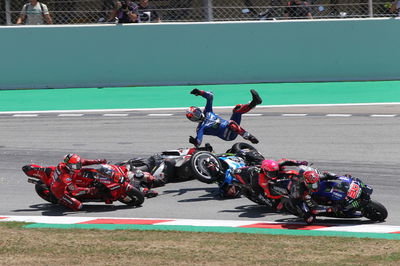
(216, 123)
(336, 194)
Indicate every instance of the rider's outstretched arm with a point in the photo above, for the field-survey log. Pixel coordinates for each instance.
(209, 96)
(205, 94)
(200, 133)
(90, 162)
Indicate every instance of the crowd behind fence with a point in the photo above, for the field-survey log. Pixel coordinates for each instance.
(95, 11)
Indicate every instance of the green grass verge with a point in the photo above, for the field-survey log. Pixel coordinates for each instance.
(42, 246)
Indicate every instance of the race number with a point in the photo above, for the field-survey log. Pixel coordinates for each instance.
(354, 191)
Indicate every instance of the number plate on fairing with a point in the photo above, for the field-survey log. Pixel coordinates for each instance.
(354, 191)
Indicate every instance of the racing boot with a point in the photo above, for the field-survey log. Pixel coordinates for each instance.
(71, 202)
(244, 108)
(251, 138)
(148, 193)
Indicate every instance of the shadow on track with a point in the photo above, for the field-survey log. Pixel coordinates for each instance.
(323, 221)
(211, 194)
(252, 211)
(59, 210)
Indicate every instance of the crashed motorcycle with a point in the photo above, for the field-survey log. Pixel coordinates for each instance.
(209, 167)
(167, 166)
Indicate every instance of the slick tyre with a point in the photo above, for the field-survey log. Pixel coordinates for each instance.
(44, 192)
(241, 146)
(134, 197)
(205, 167)
(375, 211)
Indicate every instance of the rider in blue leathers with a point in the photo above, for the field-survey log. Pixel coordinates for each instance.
(212, 124)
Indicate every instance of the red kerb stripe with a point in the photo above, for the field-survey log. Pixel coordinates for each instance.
(123, 221)
(395, 232)
(285, 226)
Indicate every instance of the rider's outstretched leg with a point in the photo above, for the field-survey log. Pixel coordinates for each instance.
(235, 127)
(244, 108)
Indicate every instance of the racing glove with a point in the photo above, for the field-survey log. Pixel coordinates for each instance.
(193, 141)
(328, 176)
(196, 92)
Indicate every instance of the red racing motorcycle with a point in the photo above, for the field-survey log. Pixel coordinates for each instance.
(108, 188)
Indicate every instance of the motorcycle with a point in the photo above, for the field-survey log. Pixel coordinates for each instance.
(41, 177)
(268, 192)
(167, 166)
(107, 189)
(351, 197)
(208, 167)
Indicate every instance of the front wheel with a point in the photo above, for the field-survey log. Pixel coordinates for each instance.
(375, 211)
(241, 146)
(133, 197)
(205, 166)
(44, 192)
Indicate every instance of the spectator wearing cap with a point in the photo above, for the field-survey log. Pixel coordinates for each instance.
(34, 13)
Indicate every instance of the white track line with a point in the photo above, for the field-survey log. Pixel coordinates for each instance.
(338, 115)
(159, 114)
(252, 114)
(25, 115)
(71, 115)
(293, 114)
(115, 115)
(382, 115)
(184, 108)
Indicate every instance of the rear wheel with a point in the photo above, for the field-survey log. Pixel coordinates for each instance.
(205, 167)
(241, 146)
(375, 211)
(133, 197)
(44, 192)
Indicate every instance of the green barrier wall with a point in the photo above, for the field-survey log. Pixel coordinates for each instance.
(200, 53)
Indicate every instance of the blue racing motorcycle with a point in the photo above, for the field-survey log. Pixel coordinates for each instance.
(350, 196)
(209, 167)
(353, 198)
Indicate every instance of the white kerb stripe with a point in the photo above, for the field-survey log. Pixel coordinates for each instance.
(252, 114)
(73, 115)
(115, 115)
(383, 115)
(25, 115)
(294, 114)
(338, 115)
(159, 114)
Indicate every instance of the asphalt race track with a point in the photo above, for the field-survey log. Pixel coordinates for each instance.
(365, 146)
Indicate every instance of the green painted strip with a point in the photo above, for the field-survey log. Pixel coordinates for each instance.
(178, 96)
(216, 230)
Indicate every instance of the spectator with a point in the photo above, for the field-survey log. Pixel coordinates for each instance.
(125, 12)
(34, 13)
(297, 9)
(146, 14)
(395, 8)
